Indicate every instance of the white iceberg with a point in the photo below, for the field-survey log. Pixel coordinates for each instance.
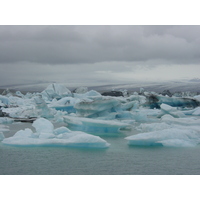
(194, 112)
(173, 111)
(96, 126)
(96, 107)
(173, 137)
(88, 95)
(55, 90)
(188, 121)
(178, 102)
(6, 120)
(46, 135)
(81, 90)
(4, 100)
(144, 127)
(65, 104)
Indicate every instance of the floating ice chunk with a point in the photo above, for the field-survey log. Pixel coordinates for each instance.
(141, 99)
(195, 112)
(153, 127)
(178, 102)
(178, 143)
(18, 93)
(90, 94)
(125, 115)
(61, 130)
(197, 97)
(4, 128)
(4, 100)
(64, 101)
(24, 133)
(6, 120)
(189, 121)
(18, 101)
(1, 136)
(108, 116)
(167, 137)
(21, 112)
(42, 108)
(142, 115)
(89, 108)
(95, 126)
(127, 106)
(43, 126)
(168, 108)
(55, 90)
(46, 136)
(65, 104)
(81, 90)
(171, 110)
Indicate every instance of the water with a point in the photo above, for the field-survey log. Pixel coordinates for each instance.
(118, 159)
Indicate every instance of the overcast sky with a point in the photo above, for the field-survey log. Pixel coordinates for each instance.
(97, 55)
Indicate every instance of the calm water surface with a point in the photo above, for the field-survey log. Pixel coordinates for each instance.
(118, 159)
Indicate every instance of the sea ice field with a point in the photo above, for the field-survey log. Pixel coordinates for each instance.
(58, 131)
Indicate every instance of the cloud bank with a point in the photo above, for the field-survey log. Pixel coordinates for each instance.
(98, 54)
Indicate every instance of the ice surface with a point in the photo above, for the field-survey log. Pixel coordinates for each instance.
(45, 135)
(95, 126)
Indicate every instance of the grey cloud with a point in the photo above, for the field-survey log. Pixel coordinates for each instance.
(92, 44)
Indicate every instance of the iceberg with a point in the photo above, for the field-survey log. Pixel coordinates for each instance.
(166, 109)
(65, 104)
(94, 108)
(46, 135)
(4, 100)
(88, 95)
(96, 126)
(6, 120)
(152, 127)
(172, 137)
(188, 121)
(81, 90)
(55, 90)
(194, 112)
(176, 101)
